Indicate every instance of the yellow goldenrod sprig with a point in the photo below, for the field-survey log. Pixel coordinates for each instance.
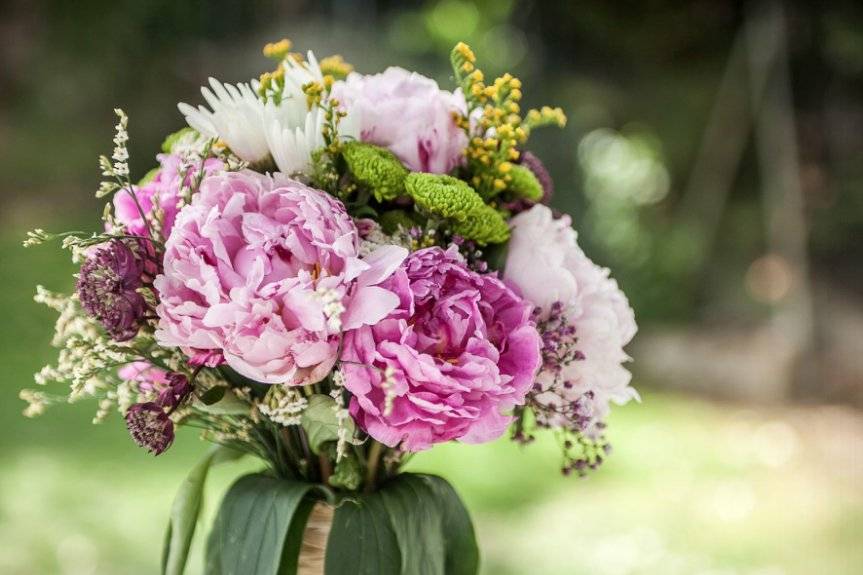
(278, 50)
(493, 122)
(336, 67)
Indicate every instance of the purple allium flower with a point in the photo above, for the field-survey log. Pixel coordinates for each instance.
(449, 362)
(150, 427)
(108, 289)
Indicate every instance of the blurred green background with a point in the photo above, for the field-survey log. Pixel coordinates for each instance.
(713, 159)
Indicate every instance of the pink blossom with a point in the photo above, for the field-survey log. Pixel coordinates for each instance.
(165, 185)
(408, 114)
(146, 375)
(457, 353)
(546, 263)
(265, 272)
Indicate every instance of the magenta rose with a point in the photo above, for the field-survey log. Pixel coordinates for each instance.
(164, 188)
(457, 353)
(264, 273)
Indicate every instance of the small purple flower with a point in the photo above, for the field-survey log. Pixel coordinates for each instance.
(108, 289)
(150, 427)
(174, 392)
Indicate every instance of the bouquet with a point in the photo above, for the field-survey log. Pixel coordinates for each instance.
(332, 271)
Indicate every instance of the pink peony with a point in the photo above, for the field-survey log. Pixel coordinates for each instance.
(448, 362)
(165, 185)
(264, 272)
(552, 271)
(408, 114)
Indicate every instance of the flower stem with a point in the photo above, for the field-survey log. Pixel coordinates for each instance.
(372, 462)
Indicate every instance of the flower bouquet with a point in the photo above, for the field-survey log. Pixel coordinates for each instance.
(330, 272)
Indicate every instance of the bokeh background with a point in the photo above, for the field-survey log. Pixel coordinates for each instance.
(713, 160)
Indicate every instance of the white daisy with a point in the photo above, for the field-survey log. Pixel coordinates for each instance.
(254, 130)
(236, 117)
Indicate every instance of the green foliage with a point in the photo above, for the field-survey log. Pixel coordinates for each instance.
(259, 527)
(392, 220)
(375, 168)
(171, 139)
(348, 473)
(320, 422)
(524, 184)
(186, 509)
(148, 177)
(414, 525)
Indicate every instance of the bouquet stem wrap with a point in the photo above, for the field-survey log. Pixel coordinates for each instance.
(314, 545)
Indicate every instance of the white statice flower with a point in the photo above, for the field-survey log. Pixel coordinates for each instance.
(255, 129)
(283, 405)
(552, 272)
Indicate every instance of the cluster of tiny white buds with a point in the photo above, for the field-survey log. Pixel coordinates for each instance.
(36, 237)
(389, 387)
(105, 407)
(332, 306)
(36, 402)
(121, 153)
(283, 405)
(342, 415)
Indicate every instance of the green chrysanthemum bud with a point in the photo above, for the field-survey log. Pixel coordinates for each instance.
(376, 169)
(443, 196)
(486, 226)
(525, 184)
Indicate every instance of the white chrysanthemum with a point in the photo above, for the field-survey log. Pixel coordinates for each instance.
(236, 117)
(546, 263)
(254, 130)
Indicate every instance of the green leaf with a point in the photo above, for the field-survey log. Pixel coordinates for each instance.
(186, 509)
(259, 527)
(228, 404)
(213, 395)
(320, 422)
(414, 525)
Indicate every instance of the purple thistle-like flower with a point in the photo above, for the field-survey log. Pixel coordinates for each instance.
(150, 427)
(108, 289)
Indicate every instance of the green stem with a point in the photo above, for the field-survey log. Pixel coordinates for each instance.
(372, 463)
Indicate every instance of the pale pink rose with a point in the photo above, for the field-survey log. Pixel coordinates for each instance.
(164, 187)
(408, 114)
(450, 362)
(264, 271)
(545, 262)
